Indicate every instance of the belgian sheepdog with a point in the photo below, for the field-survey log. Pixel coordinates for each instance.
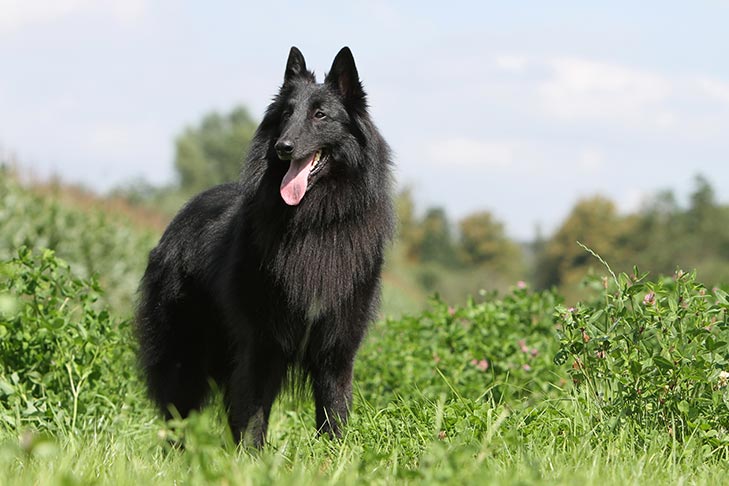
(276, 275)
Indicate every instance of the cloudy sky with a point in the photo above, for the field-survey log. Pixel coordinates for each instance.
(519, 109)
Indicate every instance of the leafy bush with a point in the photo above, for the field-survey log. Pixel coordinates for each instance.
(653, 354)
(92, 241)
(65, 362)
(500, 348)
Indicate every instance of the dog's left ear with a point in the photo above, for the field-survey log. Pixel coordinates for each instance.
(344, 78)
(295, 65)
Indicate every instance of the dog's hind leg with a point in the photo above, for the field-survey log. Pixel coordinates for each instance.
(174, 359)
(253, 387)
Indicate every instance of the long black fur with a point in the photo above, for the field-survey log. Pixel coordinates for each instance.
(243, 288)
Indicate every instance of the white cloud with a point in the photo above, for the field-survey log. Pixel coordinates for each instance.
(714, 88)
(579, 89)
(591, 160)
(16, 15)
(471, 153)
(511, 63)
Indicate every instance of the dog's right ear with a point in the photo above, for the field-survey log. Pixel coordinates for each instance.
(295, 66)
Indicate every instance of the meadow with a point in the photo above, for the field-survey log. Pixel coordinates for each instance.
(629, 386)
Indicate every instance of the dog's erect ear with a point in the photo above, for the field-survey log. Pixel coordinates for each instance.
(295, 66)
(343, 76)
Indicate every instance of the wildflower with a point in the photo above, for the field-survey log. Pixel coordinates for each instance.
(650, 298)
(521, 284)
(585, 337)
(451, 311)
(482, 365)
(522, 345)
(534, 352)
(571, 310)
(723, 378)
(526, 367)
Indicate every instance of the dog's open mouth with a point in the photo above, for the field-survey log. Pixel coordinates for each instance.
(300, 174)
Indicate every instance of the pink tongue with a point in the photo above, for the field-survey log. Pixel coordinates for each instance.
(293, 185)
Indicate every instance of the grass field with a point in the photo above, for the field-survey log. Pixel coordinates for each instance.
(629, 387)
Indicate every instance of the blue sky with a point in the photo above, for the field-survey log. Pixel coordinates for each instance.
(520, 108)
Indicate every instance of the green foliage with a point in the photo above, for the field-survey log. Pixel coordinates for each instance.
(92, 241)
(654, 354)
(212, 153)
(479, 257)
(435, 243)
(594, 221)
(499, 349)
(65, 363)
(484, 241)
(661, 236)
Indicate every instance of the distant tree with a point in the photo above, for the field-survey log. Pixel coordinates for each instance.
(703, 206)
(435, 241)
(594, 222)
(483, 241)
(212, 153)
(409, 230)
(657, 234)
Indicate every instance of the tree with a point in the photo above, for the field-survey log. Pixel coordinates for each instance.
(702, 211)
(435, 243)
(409, 231)
(594, 222)
(212, 153)
(483, 241)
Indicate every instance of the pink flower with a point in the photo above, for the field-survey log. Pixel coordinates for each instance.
(650, 298)
(522, 345)
(521, 284)
(451, 311)
(534, 352)
(571, 310)
(482, 365)
(526, 367)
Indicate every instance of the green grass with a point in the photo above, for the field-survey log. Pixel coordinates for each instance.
(396, 443)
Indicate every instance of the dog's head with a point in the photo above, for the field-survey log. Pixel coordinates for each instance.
(317, 123)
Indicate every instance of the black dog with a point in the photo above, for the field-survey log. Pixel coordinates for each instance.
(279, 272)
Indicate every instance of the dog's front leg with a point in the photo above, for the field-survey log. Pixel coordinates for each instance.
(332, 381)
(253, 387)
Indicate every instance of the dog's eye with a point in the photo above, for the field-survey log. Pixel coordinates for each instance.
(319, 114)
(285, 115)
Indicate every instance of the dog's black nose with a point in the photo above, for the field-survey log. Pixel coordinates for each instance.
(284, 148)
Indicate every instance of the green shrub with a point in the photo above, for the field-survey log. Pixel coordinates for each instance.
(93, 242)
(499, 348)
(64, 361)
(653, 354)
